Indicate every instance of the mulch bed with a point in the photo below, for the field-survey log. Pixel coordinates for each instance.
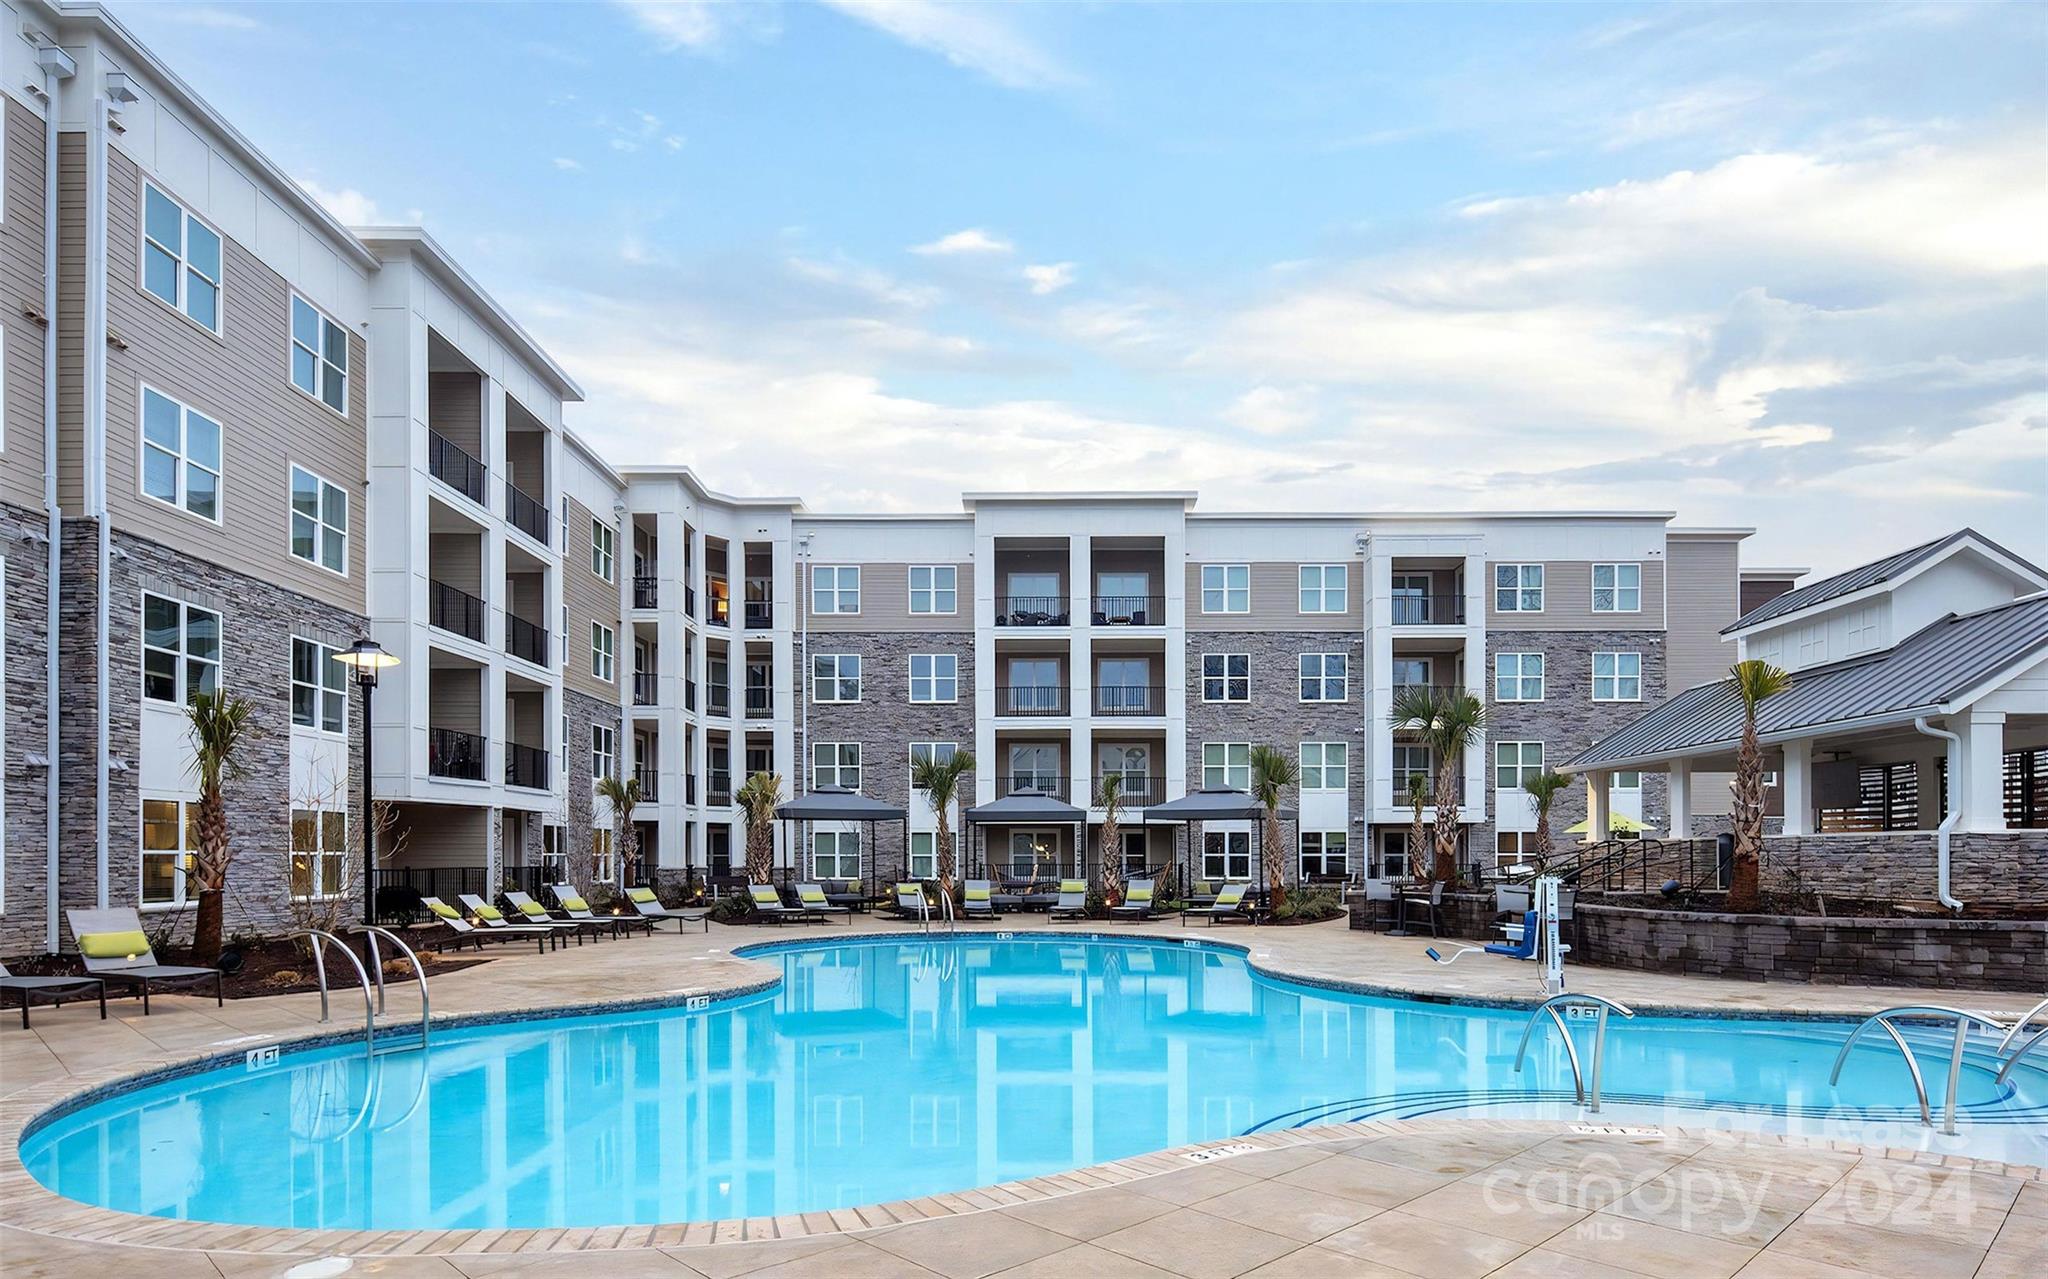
(272, 967)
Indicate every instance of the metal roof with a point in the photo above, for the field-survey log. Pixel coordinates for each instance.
(1856, 579)
(1931, 668)
(1210, 804)
(1024, 806)
(838, 804)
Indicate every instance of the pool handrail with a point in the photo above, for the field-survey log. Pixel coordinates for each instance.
(2020, 1025)
(371, 932)
(318, 938)
(1551, 1006)
(2025, 1048)
(1963, 1019)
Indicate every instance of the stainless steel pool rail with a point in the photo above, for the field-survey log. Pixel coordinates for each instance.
(2026, 1045)
(1579, 1078)
(319, 939)
(1964, 1019)
(371, 933)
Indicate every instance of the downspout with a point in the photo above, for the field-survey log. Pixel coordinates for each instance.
(96, 460)
(56, 65)
(1955, 812)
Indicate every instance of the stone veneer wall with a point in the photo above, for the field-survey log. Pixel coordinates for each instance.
(584, 712)
(2008, 866)
(24, 839)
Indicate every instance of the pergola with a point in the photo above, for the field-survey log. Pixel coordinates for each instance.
(838, 804)
(1027, 808)
(1217, 804)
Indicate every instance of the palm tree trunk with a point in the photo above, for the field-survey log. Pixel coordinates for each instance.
(1418, 839)
(760, 856)
(1112, 857)
(1748, 820)
(944, 841)
(210, 873)
(1276, 861)
(1446, 868)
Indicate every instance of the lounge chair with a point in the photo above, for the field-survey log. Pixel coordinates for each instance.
(54, 989)
(1009, 894)
(1041, 895)
(768, 905)
(440, 914)
(813, 898)
(492, 920)
(646, 905)
(1202, 893)
(1229, 905)
(1137, 903)
(1073, 900)
(977, 900)
(910, 903)
(115, 948)
(532, 912)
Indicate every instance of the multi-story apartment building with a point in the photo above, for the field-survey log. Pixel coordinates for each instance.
(239, 436)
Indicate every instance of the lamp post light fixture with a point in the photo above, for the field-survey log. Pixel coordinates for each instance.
(367, 658)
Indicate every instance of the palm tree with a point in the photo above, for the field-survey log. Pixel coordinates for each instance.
(220, 722)
(939, 779)
(1273, 771)
(1544, 788)
(1450, 721)
(1109, 793)
(624, 794)
(758, 798)
(1418, 798)
(1754, 681)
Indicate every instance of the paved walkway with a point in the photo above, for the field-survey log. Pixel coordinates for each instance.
(1448, 1199)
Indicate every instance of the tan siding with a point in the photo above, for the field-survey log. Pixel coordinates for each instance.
(457, 560)
(71, 321)
(1701, 596)
(21, 289)
(455, 699)
(592, 599)
(885, 603)
(1276, 601)
(1568, 601)
(455, 410)
(243, 380)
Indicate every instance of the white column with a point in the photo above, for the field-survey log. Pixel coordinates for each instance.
(1983, 775)
(1678, 795)
(1596, 805)
(1797, 778)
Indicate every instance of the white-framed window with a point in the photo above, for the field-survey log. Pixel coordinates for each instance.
(180, 258)
(1325, 677)
(319, 687)
(170, 839)
(1325, 766)
(319, 355)
(319, 521)
(604, 867)
(934, 588)
(604, 751)
(1518, 677)
(835, 588)
(1226, 677)
(1227, 764)
(1617, 588)
(1863, 624)
(938, 752)
(319, 851)
(181, 464)
(1226, 588)
(1323, 588)
(180, 650)
(1518, 588)
(1617, 677)
(1626, 780)
(924, 854)
(554, 853)
(934, 677)
(835, 677)
(604, 547)
(604, 646)
(1411, 760)
(835, 764)
(1515, 763)
(835, 854)
(1227, 855)
(1323, 853)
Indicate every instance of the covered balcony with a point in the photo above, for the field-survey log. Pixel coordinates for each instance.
(455, 572)
(456, 746)
(1129, 581)
(1427, 592)
(526, 473)
(526, 734)
(455, 421)
(1031, 582)
(526, 604)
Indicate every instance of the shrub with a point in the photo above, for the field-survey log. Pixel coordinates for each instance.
(731, 908)
(1309, 905)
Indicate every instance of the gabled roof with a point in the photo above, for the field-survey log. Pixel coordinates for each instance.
(1856, 579)
(1925, 674)
(1023, 806)
(1210, 804)
(837, 804)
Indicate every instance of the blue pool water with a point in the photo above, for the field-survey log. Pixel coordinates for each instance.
(890, 1068)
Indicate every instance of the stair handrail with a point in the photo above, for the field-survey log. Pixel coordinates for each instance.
(1963, 1019)
(2021, 1024)
(371, 932)
(319, 937)
(1550, 1006)
(2025, 1048)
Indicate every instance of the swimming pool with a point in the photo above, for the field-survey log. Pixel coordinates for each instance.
(887, 1068)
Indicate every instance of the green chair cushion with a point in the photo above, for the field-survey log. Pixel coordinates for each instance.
(1073, 886)
(574, 904)
(114, 945)
(977, 894)
(444, 910)
(812, 895)
(489, 912)
(766, 894)
(1139, 895)
(642, 895)
(533, 908)
(1230, 897)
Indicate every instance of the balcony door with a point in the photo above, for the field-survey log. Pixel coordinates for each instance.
(1035, 766)
(1035, 685)
(1410, 671)
(1125, 598)
(1123, 686)
(1131, 762)
(1035, 854)
(1411, 599)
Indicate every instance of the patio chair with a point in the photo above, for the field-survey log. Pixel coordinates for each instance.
(115, 948)
(54, 989)
(489, 919)
(1137, 903)
(532, 912)
(844, 892)
(1229, 904)
(1433, 905)
(910, 903)
(1073, 900)
(1202, 892)
(460, 931)
(814, 899)
(1379, 891)
(768, 905)
(977, 900)
(647, 907)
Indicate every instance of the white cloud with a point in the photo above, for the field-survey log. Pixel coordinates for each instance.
(1049, 277)
(1272, 410)
(678, 24)
(349, 206)
(973, 240)
(567, 165)
(972, 36)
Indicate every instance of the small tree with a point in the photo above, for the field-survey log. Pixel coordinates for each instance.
(758, 798)
(1109, 793)
(1544, 788)
(940, 782)
(624, 794)
(1418, 831)
(1273, 771)
(1449, 720)
(1754, 682)
(307, 906)
(220, 724)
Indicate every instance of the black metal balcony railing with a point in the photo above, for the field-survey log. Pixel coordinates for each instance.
(689, 695)
(719, 788)
(1402, 782)
(454, 753)
(646, 592)
(646, 686)
(450, 464)
(526, 766)
(454, 610)
(1130, 610)
(1429, 610)
(526, 513)
(1130, 699)
(1135, 791)
(395, 891)
(760, 703)
(760, 614)
(1045, 783)
(649, 791)
(689, 601)
(720, 701)
(1032, 699)
(1434, 690)
(524, 639)
(1031, 610)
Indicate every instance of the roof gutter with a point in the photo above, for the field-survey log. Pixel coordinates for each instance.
(1955, 811)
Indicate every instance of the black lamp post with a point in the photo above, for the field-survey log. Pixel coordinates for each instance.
(367, 658)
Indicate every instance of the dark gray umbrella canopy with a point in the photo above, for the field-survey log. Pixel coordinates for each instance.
(838, 804)
(1023, 807)
(1210, 804)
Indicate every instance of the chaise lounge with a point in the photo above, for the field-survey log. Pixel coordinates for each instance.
(54, 989)
(115, 948)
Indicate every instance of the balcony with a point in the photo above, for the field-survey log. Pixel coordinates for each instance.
(1429, 610)
(456, 754)
(649, 791)
(526, 766)
(526, 513)
(646, 591)
(720, 701)
(455, 611)
(689, 695)
(452, 466)
(1137, 791)
(1045, 783)
(689, 601)
(760, 703)
(719, 789)
(646, 685)
(1032, 699)
(760, 614)
(1130, 699)
(525, 640)
(1130, 610)
(1031, 610)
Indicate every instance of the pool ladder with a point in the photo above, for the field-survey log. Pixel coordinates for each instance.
(1580, 1080)
(2026, 1046)
(1964, 1020)
(373, 1008)
(945, 911)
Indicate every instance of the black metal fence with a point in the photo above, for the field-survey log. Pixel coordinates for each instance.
(1129, 610)
(524, 639)
(455, 610)
(1428, 610)
(396, 891)
(453, 466)
(526, 766)
(1130, 699)
(526, 513)
(453, 753)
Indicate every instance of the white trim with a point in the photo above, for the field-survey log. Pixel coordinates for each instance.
(1542, 677)
(320, 361)
(811, 608)
(1617, 676)
(1593, 586)
(182, 259)
(609, 549)
(1323, 768)
(2011, 563)
(858, 766)
(933, 679)
(320, 524)
(1521, 763)
(1322, 678)
(609, 652)
(1227, 765)
(143, 444)
(1323, 589)
(910, 590)
(181, 695)
(1202, 588)
(860, 687)
(294, 684)
(1494, 588)
(1226, 677)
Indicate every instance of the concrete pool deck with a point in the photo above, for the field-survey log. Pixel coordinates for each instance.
(1438, 1199)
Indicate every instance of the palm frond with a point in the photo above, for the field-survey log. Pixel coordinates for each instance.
(1756, 681)
(219, 722)
(1273, 771)
(758, 798)
(939, 779)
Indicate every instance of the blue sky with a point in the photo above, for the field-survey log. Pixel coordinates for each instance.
(1775, 266)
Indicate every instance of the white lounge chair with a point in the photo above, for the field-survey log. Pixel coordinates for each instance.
(647, 905)
(1137, 903)
(492, 920)
(1229, 905)
(532, 912)
(815, 901)
(115, 948)
(1073, 901)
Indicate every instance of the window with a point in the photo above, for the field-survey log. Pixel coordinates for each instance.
(835, 677)
(170, 838)
(1411, 764)
(1322, 854)
(1036, 766)
(180, 455)
(1323, 677)
(180, 650)
(1518, 677)
(554, 854)
(1226, 677)
(603, 865)
(1227, 764)
(933, 589)
(1411, 599)
(1509, 845)
(180, 258)
(1226, 588)
(1518, 588)
(1323, 588)
(319, 850)
(604, 750)
(934, 677)
(1393, 858)
(835, 854)
(1515, 763)
(835, 764)
(319, 687)
(1324, 766)
(1617, 677)
(1227, 855)
(319, 355)
(835, 590)
(1627, 780)
(924, 854)
(939, 752)
(604, 545)
(319, 521)
(1410, 672)
(603, 651)
(1617, 588)
(1863, 625)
